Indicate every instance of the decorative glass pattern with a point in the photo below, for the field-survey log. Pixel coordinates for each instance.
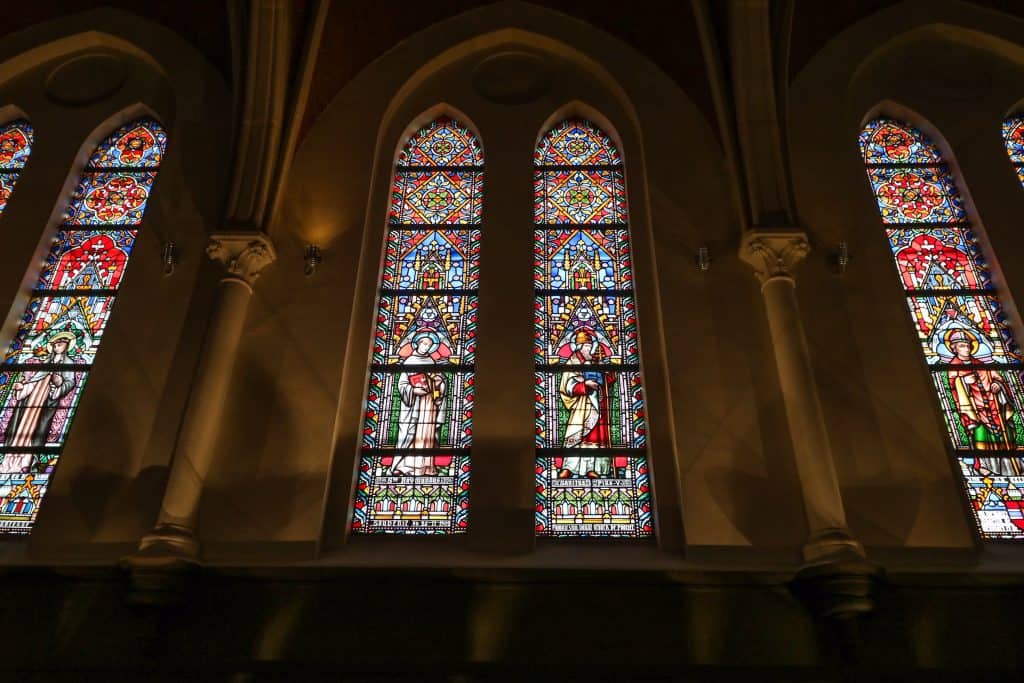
(1013, 136)
(15, 147)
(417, 426)
(592, 477)
(974, 361)
(47, 365)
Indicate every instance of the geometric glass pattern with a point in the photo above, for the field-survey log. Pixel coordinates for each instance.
(1013, 136)
(417, 423)
(15, 147)
(975, 364)
(47, 364)
(591, 472)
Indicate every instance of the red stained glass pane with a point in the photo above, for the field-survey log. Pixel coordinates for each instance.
(1013, 136)
(87, 259)
(982, 407)
(916, 195)
(939, 258)
(611, 498)
(563, 323)
(436, 197)
(110, 198)
(886, 141)
(576, 142)
(995, 489)
(138, 144)
(410, 493)
(443, 142)
(441, 328)
(15, 144)
(579, 196)
(7, 181)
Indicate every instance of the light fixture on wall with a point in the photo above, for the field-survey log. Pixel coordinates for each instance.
(312, 258)
(840, 258)
(703, 258)
(169, 257)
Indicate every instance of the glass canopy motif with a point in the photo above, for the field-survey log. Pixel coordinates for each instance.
(15, 147)
(414, 468)
(48, 362)
(974, 361)
(1013, 136)
(592, 474)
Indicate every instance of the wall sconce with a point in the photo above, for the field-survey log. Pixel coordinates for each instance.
(840, 258)
(703, 259)
(312, 258)
(169, 257)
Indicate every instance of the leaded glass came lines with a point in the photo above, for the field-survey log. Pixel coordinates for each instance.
(47, 364)
(1013, 136)
(974, 361)
(417, 425)
(15, 147)
(591, 472)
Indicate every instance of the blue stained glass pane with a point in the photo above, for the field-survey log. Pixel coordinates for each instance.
(582, 259)
(15, 144)
(7, 181)
(441, 328)
(138, 144)
(431, 259)
(886, 141)
(110, 198)
(603, 328)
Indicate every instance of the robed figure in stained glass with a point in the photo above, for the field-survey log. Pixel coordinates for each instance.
(37, 397)
(980, 396)
(422, 410)
(585, 395)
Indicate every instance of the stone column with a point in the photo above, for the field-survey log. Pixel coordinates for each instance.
(243, 255)
(774, 254)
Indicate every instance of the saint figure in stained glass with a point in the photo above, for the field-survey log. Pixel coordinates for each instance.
(1013, 136)
(974, 360)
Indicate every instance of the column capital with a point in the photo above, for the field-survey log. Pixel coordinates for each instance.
(774, 253)
(244, 254)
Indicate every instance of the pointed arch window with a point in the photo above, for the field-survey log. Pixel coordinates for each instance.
(592, 473)
(1013, 136)
(973, 359)
(48, 362)
(414, 468)
(16, 139)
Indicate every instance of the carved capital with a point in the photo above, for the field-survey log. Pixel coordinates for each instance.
(243, 254)
(774, 253)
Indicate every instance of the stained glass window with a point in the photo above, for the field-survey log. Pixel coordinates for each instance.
(975, 364)
(1013, 136)
(48, 362)
(414, 468)
(15, 147)
(592, 473)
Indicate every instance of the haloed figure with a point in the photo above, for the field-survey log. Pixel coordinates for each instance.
(982, 399)
(584, 393)
(37, 395)
(422, 410)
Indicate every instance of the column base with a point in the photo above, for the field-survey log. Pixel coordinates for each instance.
(832, 545)
(837, 580)
(160, 567)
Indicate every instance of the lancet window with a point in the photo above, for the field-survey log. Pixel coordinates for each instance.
(417, 427)
(591, 472)
(968, 346)
(15, 147)
(49, 360)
